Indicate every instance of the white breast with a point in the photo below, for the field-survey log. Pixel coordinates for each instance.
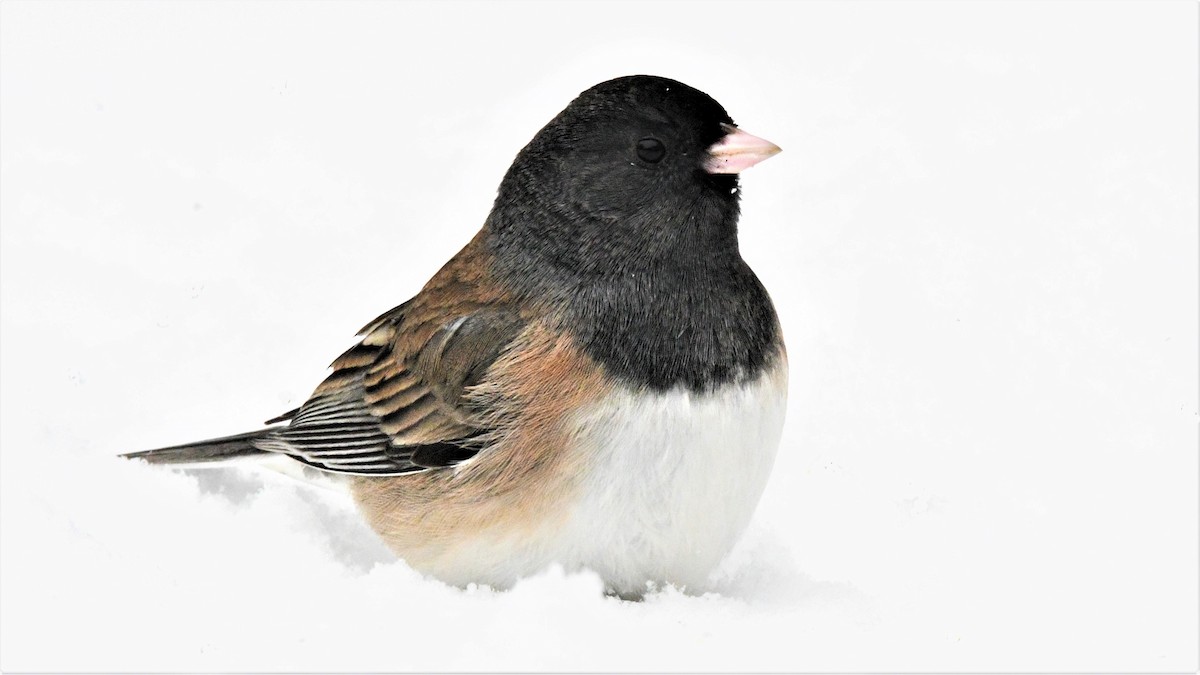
(673, 479)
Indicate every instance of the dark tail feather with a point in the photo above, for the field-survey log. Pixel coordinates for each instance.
(213, 450)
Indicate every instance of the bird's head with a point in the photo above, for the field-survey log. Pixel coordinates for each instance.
(636, 172)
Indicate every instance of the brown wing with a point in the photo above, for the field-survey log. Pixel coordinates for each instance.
(395, 401)
(384, 412)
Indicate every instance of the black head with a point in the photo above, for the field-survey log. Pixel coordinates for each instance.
(617, 183)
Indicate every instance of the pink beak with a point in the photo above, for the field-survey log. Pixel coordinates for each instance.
(737, 151)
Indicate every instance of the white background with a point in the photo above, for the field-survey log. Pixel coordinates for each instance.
(981, 237)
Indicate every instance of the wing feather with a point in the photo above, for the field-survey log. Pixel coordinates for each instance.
(386, 412)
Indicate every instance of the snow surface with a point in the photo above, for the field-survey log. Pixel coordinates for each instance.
(981, 237)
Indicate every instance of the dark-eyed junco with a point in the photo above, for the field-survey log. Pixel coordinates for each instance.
(597, 379)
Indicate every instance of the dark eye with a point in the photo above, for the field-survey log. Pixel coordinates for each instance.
(651, 150)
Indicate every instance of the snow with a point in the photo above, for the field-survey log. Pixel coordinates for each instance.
(981, 236)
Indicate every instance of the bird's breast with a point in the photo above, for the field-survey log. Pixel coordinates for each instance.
(671, 478)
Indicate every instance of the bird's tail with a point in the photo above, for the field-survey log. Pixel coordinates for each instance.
(212, 450)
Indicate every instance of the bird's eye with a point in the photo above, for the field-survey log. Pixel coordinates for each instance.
(651, 150)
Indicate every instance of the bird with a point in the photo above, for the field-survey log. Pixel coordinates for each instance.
(597, 380)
